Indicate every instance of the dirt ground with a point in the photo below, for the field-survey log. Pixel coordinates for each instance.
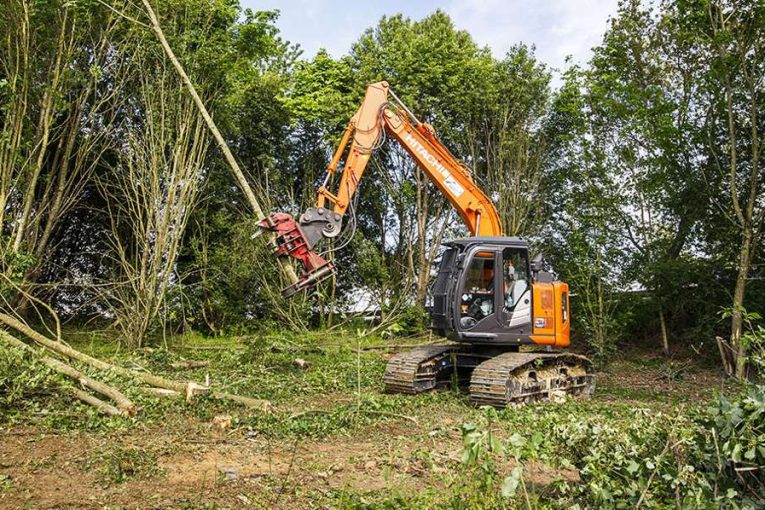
(199, 467)
(190, 463)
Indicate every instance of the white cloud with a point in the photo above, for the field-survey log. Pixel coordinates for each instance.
(557, 28)
(334, 24)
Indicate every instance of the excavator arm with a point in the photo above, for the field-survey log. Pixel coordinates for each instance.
(381, 114)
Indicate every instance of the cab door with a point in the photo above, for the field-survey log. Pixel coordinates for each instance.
(516, 292)
(477, 291)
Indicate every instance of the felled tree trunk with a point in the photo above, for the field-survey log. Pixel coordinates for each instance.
(96, 402)
(124, 405)
(189, 389)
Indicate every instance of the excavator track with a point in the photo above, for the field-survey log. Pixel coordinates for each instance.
(518, 377)
(418, 370)
(501, 380)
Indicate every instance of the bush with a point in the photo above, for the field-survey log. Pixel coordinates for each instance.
(644, 458)
(413, 319)
(705, 458)
(732, 440)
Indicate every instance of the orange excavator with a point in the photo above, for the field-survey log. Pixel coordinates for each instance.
(507, 318)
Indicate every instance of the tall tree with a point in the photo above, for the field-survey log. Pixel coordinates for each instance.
(733, 37)
(582, 233)
(62, 92)
(504, 137)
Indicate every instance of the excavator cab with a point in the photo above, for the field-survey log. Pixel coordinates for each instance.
(488, 291)
(482, 293)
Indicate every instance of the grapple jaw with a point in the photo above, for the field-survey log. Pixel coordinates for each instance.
(294, 241)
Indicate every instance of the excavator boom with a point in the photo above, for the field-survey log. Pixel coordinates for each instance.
(377, 117)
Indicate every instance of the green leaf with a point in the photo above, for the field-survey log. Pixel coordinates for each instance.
(736, 453)
(511, 483)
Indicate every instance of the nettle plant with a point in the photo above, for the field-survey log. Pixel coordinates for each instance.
(733, 445)
(754, 342)
(487, 460)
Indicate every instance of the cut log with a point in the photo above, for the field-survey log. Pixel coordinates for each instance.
(186, 388)
(124, 404)
(254, 403)
(71, 353)
(161, 392)
(96, 402)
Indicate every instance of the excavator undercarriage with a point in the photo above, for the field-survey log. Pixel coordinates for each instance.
(497, 379)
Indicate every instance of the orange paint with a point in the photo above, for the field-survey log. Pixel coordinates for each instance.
(450, 176)
(543, 308)
(562, 315)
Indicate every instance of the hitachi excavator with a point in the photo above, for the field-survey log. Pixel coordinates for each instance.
(507, 318)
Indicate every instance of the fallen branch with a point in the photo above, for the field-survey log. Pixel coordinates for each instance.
(161, 392)
(189, 389)
(96, 402)
(89, 360)
(187, 365)
(124, 405)
(254, 403)
(672, 371)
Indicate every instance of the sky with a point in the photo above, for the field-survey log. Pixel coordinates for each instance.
(558, 28)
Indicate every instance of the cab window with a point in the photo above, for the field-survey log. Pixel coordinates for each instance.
(515, 276)
(477, 300)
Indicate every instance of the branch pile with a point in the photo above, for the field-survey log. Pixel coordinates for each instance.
(122, 405)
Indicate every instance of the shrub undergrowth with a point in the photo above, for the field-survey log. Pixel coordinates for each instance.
(694, 458)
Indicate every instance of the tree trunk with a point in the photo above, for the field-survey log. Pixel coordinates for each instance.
(739, 293)
(663, 325)
(228, 155)
(96, 402)
(187, 388)
(124, 404)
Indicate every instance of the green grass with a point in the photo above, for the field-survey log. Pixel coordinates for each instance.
(338, 395)
(338, 391)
